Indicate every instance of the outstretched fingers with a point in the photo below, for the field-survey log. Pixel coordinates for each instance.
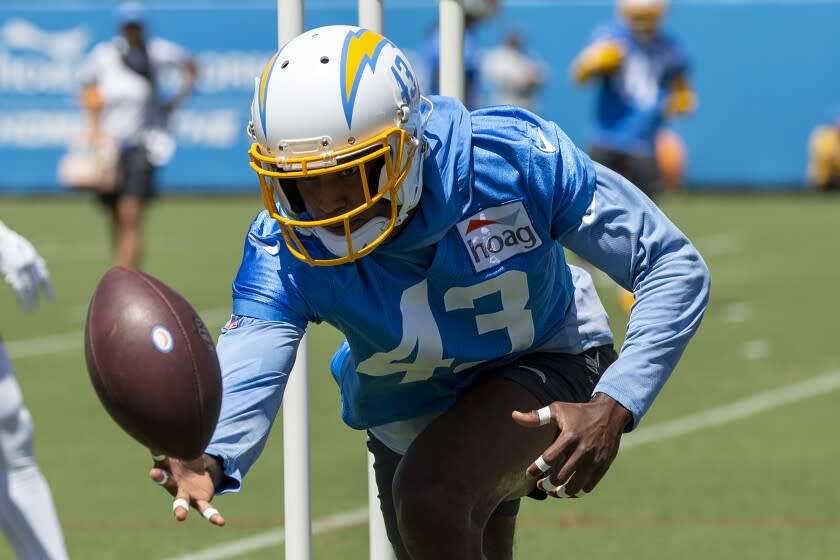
(181, 507)
(210, 513)
(186, 493)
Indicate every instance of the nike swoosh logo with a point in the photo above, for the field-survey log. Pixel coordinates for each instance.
(272, 250)
(544, 144)
(535, 370)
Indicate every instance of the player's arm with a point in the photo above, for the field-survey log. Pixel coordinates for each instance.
(22, 268)
(169, 54)
(90, 96)
(681, 97)
(607, 221)
(256, 357)
(602, 57)
(628, 237)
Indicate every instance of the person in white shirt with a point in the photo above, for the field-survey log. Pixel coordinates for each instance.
(27, 513)
(121, 96)
(514, 76)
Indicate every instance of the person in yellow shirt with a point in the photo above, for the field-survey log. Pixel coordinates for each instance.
(824, 157)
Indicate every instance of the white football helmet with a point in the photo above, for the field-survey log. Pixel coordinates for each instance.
(329, 101)
(643, 16)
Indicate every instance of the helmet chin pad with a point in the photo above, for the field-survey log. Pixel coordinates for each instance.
(361, 238)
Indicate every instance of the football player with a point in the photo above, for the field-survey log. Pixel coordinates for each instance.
(480, 363)
(824, 157)
(642, 75)
(27, 513)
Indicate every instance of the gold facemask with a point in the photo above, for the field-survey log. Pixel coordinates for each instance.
(394, 145)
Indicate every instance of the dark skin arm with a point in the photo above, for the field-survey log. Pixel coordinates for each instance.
(586, 445)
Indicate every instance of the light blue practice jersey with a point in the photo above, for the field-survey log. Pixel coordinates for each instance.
(631, 100)
(477, 278)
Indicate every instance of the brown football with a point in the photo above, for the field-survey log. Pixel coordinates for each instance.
(153, 363)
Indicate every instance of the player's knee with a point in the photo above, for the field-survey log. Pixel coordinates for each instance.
(425, 506)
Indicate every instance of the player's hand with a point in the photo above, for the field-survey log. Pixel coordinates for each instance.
(585, 447)
(602, 57)
(190, 483)
(23, 269)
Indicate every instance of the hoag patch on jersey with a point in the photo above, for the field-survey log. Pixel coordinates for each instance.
(497, 234)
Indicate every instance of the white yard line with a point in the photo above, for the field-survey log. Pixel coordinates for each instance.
(737, 312)
(276, 536)
(760, 402)
(755, 349)
(750, 406)
(73, 341)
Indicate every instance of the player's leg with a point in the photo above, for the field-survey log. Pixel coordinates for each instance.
(461, 473)
(643, 171)
(670, 153)
(461, 467)
(27, 513)
(137, 188)
(385, 462)
(129, 231)
(498, 534)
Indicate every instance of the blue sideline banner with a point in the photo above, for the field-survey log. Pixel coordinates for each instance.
(765, 73)
(40, 53)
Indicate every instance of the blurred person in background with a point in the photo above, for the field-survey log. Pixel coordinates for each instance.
(480, 363)
(642, 75)
(121, 94)
(475, 12)
(27, 512)
(824, 156)
(514, 76)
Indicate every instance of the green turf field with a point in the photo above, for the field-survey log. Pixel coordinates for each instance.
(752, 481)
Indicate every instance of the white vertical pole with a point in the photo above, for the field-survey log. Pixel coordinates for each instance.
(289, 20)
(296, 463)
(371, 17)
(452, 48)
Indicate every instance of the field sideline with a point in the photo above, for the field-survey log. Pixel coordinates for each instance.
(735, 460)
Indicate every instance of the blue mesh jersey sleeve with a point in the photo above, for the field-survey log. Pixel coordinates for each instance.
(558, 176)
(256, 357)
(627, 236)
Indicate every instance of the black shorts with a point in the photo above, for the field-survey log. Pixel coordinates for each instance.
(641, 170)
(136, 177)
(548, 376)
